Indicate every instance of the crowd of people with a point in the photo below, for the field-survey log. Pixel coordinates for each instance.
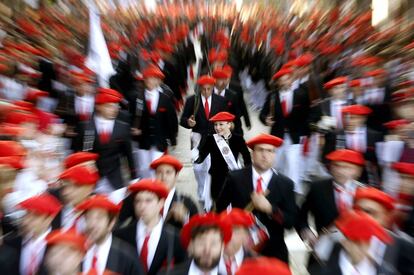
(87, 168)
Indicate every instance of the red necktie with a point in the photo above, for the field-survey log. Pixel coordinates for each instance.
(144, 253)
(228, 263)
(206, 109)
(149, 106)
(104, 137)
(284, 107)
(33, 263)
(259, 187)
(341, 203)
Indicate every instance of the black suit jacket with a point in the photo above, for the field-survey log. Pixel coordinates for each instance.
(168, 240)
(159, 128)
(109, 161)
(181, 269)
(203, 126)
(296, 123)
(239, 186)
(234, 107)
(320, 202)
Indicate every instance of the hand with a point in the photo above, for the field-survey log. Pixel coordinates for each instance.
(191, 122)
(249, 128)
(69, 132)
(269, 121)
(260, 203)
(179, 212)
(136, 132)
(308, 236)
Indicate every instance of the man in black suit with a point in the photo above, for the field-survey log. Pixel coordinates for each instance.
(106, 252)
(158, 124)
(358, 137)
(287, 113)
(110, 138)
(156, 243)
(207, 104)
(30, 244)
(268, 194)
(327, 198)
(233, 104)
(380, 206)
(204, 237)
(237, 250)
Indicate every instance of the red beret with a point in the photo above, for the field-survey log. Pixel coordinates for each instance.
(336, 81)
(215, 55)
(264, 139)
(346, 155)
(281, 73)
(20, 117)
(371, 193)
(80, 175)
(162, 46)
(222, 116)
(34, 94)
(304, 60)
(377, 72)
(404, 167)
(263, 266)
(23, 105)
(15, 162)
(360, 227)
(101, 202)
(220, 74)
(150, 185)
(228, 69)
(204, 220)
(107, 96)
(402, 96)
(167, 159)
(238, 217)
(153, 71)
(355, 83)
(206, 80)
(356, 110)
(10, 148)
(69, 237)
(78, 158)
(42, 204)
(393, 124)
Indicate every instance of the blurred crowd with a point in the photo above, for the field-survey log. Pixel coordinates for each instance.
(86, 179)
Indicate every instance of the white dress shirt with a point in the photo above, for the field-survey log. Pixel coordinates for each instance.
(336, 110)
(365, 267)
(287, 95)
(195, 270)
(345, 193)
(153, 240)
(84, 104)
(101, 251)
(153, 96)
(220, 93)
(266, 177)
(167, 203)
(203, 100)
(357, 139)
(32, 253)
(104, 125)
(238, 259)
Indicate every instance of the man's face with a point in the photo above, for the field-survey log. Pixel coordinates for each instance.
(344, 171)
(354, 121)
(206, 249)
(338, 91)
(167, 174)
(285, 81)
(206, 90)
(73, 194)
(152, 83)
(221, 83)
(147, 206)
(405, 110)
(406, 184)
(375, 210)
(239, 238)
(263, 156)
(63, 259)
(33, 224)
(108, 110)
(98, 224)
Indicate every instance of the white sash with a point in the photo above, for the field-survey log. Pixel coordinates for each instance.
(226, 153)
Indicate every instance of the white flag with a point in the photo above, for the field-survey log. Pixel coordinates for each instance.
(98, 59)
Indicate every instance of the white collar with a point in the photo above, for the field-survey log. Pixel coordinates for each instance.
(101, 251)
(220, 93)
(195, 270)
(39, 239)
(266, 177)
(153, 241)
(364, 267)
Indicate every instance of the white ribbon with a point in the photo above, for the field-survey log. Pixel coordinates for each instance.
(226, 153)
